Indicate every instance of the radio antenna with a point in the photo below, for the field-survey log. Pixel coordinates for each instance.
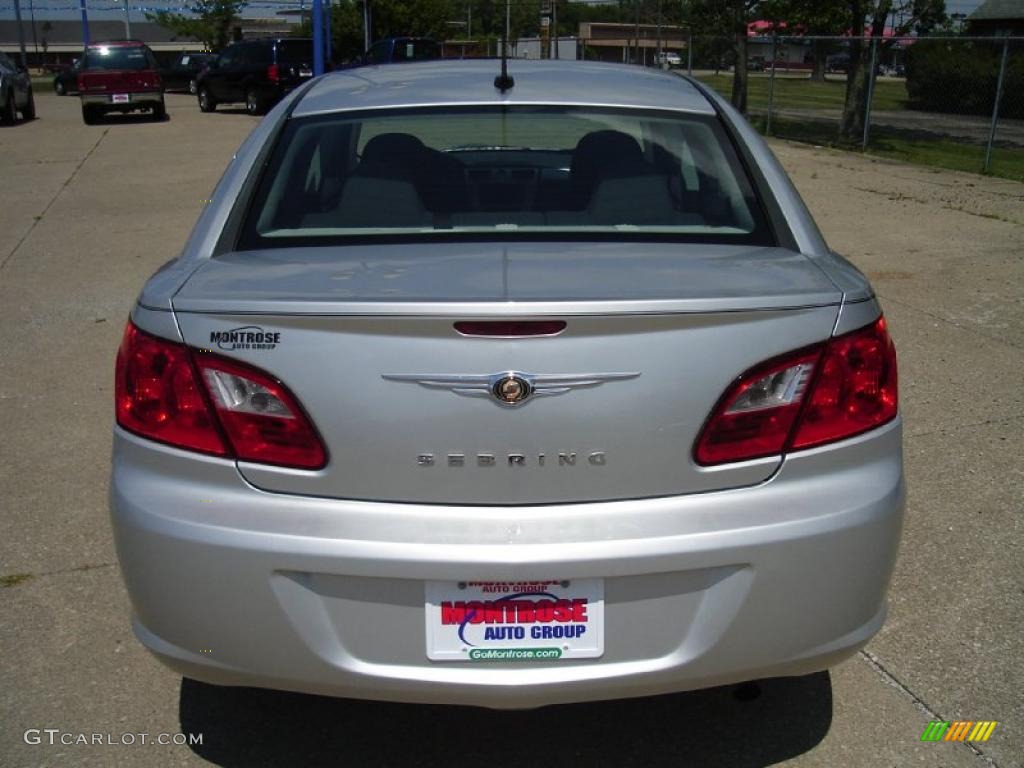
(504, 81)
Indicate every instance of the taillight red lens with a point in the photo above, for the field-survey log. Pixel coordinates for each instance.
(756, 416)
(263, 421)
(273, 73)
(157, 395)
(807, 398)
(856, 390)
(200, 402)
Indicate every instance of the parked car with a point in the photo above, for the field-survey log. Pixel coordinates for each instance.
(838, 62)
(65, 81)
(505, 395)
(120, 76)
(670, 59)
(393, 50)
(15, 92)
(756, 64)
(181, 75)
(255, 72)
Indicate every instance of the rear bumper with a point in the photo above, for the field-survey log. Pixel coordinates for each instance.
(140, 100)
(235, 586)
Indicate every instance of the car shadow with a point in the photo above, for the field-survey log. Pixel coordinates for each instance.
(738, 726)
(131, 118)
(231, 111)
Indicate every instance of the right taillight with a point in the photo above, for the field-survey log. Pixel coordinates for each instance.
(198, 401)
(811, 397)
(273, 73)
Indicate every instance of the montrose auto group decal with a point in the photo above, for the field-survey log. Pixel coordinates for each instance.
(246, 337)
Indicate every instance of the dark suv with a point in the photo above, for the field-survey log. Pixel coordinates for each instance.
(392, 50)
(256, 72)
(182, 74)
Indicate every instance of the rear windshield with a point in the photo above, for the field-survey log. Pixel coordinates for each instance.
(496, 172)
(294, 52)
(119, 57)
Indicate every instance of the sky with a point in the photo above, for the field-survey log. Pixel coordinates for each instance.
(114, 9)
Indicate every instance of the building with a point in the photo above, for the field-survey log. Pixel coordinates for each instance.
(55, 42)
(629, 43)
(999, 18)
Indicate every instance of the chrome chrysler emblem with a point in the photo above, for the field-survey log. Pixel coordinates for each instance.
(509, 387)
(512, 389)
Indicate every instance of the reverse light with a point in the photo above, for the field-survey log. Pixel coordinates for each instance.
(197, 401)
(809, 397)
(263, 421)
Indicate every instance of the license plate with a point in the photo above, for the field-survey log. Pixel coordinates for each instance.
(305, 73)
(515, 620)
(120, 98)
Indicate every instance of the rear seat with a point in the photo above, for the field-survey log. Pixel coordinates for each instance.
(400, 182)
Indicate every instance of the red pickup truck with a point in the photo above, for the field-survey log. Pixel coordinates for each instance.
(120, 76)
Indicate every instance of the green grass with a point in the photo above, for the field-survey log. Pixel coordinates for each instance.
(906, 146)
(800, 92)
(14, 579)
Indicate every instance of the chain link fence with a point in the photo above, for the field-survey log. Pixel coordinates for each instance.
(952, 102)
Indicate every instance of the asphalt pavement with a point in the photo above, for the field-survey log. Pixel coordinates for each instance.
(88, 212)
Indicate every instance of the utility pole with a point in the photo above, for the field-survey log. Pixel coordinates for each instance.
(318, 38)
(366, 25)
(327, 34)
(127, 22)
(21, 34)
(508, 24)
(636, 32)
(32, 20)
(469, 21)
(85, 24)
(659, 62)
(554, 24)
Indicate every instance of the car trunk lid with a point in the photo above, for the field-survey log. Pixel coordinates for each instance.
(656, 332)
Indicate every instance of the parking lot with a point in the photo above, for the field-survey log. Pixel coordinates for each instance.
(88, 212)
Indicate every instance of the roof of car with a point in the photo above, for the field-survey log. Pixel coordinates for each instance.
(453, 82)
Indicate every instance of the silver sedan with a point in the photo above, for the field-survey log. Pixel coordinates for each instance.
(505, 393)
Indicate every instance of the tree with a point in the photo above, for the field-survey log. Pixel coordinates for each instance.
(816, 18)
(916, 15)
(209, 21)
(731, 18)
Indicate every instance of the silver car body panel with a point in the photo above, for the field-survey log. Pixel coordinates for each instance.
(784, 578)
(315, 580)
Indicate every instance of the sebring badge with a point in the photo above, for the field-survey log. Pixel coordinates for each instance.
(509, 388)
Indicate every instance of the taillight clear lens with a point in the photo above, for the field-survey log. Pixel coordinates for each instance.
(157, 395)
(810, 397)
(262, 420)
(857, 388)
(253, 416)
(756, 416)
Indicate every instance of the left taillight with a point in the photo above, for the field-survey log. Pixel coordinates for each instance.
(810, 397)
(198, 401)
